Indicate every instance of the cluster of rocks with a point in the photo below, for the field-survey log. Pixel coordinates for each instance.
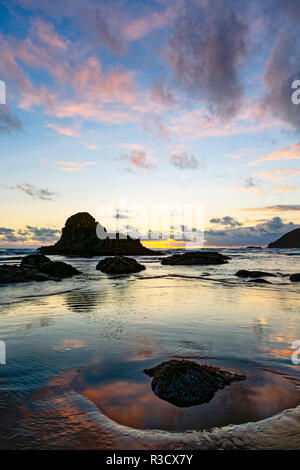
(36, 268)
(185, 383)
(257, 276)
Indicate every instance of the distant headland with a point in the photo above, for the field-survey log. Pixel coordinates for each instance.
(289, 240)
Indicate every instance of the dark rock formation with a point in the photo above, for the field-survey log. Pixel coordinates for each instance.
(42, 264)
(196, 258)
(36, 268)
(260, 281)
(185, 383)
(79, 238)
(289, 240)
(254, 247)
(295, 277)
(119, 265)
(254, 274)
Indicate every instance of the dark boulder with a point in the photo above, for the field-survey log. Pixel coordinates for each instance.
(260, 281)
(254, 247)
(119, 265)
(41, 263)
(201, 258)
(289, 240)
(254, 274)
(295, 277)
(36, 268)
(10, 274)
(79, 238)
(185, 383)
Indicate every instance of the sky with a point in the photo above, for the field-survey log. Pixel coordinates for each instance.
(161, 102)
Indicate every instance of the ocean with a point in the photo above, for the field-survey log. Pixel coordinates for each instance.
(76, 349)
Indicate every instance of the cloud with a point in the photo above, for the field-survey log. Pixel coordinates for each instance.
(140, 159)
(8, 121)
(260, 234)
(70, 131)
(279, 175)
(72, 166)
(285, 188)
(34, 192)
(275, 208)
(47, 35)
(8, 235)
(162, 93)
(28, 235)
(45, 235)
(291, 152)
(227, 220)
(184, 161)
(206, 51)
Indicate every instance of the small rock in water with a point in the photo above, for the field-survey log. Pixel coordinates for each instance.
(185, 383)
(295, 277)
(260, 281)
(253, 274)
(201, 258)
(120, 265)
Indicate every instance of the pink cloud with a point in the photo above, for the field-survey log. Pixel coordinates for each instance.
(70, 131)
(47, 35)
(291, 152)
(72, 166)
(137, 28)
(278, 175)
(140, 159)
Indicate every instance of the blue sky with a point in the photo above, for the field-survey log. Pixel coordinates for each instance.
(156, 101)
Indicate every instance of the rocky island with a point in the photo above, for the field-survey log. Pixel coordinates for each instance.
(289, 240)
(79, 238)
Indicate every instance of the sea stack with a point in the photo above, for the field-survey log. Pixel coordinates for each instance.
(79, 238)
(289, 240)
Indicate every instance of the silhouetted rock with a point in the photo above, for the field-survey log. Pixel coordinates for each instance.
(79, 238)
(185, 383)
(196, 258)
(119, 265)
(254, 247)
(254, 274)
(289, 240)
(55, 269)
(260, 281)
(36, 268)
(295, 277)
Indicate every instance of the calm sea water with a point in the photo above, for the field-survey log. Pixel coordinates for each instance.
(95, 334)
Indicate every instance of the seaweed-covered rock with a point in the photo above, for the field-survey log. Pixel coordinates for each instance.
(79, 238)
(36, 268)
(196, 258)
(295, 277)
(185, 383)
(119, 265)
(254, 274)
